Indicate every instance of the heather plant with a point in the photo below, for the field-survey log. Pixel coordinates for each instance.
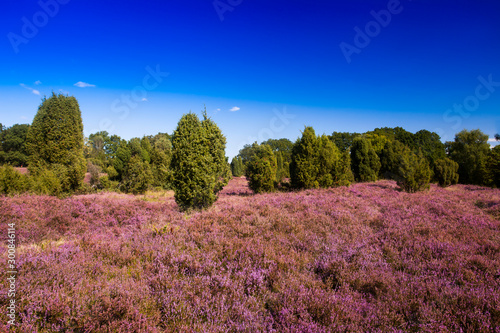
(413, 172)
(446, 172)
(364, 160)
(366, 258)
(55, 141)
(261, 170)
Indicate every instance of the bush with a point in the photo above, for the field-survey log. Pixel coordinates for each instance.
(138, 176)
(46, 182)
(304, 167)
(414, 173)
(55, 141)
(446, 172)
(261, 170)
(11, 181)
(365, 162)
(198, 162)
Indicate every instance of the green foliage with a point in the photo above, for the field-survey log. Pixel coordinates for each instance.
(389, 159)
(365, 162)
(46, 182)
(13, 145)
(446, 172)
(470, 150)
(198, 162)
(138, 176)
(11, 181)
(237, 168)
(55, 141)
(304, 167)
(343, 140)
(261, 169)
(161, 156)
(247, 152)
(318, 162)
(94, 171)
(494, 166)
(414, 173)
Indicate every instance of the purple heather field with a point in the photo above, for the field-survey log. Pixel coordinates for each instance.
(367, 258)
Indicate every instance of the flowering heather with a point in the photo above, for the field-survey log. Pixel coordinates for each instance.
(368, 258)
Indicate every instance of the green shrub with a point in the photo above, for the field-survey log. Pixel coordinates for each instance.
(138, 176)
(414, 173)
(198, 162)
(11, 181)
(365, 162)
(261, 170)
(46, 182)
(446, 172)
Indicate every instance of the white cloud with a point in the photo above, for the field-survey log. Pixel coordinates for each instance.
(38, 82)
(81, 84)
(34, 91)
(144, 99)
(218, 109)
(492, 140)
(234, 108)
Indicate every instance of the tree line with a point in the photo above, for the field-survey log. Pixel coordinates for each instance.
(413, 160)
(191, 161)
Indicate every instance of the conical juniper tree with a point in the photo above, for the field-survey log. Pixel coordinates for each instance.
(261, 170)
(198, 162)
(55, 141)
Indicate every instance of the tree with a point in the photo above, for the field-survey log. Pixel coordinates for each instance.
(198, 162)
(493, 166)
(446, 172)
(414, 173)
(343, 140)
(470, 150)
(304, 167)
(389, 159)
(55, 141)
(13, 145)
(161, 156)
(497, 137)
(261, 170)
(138, 176)
(237, 166)
(365, 162)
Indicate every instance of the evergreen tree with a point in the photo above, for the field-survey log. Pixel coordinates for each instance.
(261, 170)
(389, 159)
(494, 166)
(365, 162)
(138, 176)
(237, 166)
(470, 150)
(304, 167)
(55, 141)
(13, 145)
(414, 173)
(198, 162)
(446, 172)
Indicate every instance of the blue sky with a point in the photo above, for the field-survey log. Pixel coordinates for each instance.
(262, 68)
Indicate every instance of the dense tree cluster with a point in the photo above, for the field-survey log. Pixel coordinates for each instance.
(192, 161)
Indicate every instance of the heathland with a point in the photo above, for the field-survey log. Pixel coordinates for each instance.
(363, 258)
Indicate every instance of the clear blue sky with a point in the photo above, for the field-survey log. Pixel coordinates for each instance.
(279, 65)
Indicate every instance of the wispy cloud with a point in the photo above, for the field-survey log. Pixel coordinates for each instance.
(81, 84)
(234, 108)
(38, 82)
(34, 91)
(144, 99)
